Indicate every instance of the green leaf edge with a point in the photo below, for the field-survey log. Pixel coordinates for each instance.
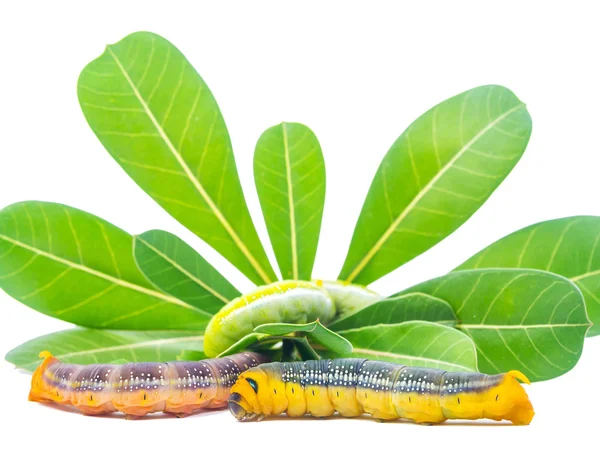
(388, 325)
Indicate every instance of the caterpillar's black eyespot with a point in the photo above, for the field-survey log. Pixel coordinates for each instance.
(145, 397)
(253, 384)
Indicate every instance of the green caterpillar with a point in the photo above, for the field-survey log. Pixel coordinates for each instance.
(285, 301)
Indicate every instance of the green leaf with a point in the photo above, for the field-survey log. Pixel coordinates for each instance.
(305, 350)
(415, 343)
(398, 309)
(245, 342)
(159, 121)
(522, 319)
(84, 346)
(348, 297)
(434, 177)
(177, 269)
(289, 172)
(314, 330)
(275, 332)
(190, 355)
(74, 266)
(565, 246)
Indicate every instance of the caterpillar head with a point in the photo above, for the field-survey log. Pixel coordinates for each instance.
(247, 400)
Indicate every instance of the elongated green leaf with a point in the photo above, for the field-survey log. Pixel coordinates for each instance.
(267, 344)
(314, 330)
(398, 309)
(159, 121)
(416, 343)
(84, 346)
(177, 269)
(289, 172)
(522, 319)
(74, 266)
(565, 246)
(435, 176)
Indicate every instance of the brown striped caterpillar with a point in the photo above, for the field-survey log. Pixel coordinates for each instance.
(137, 389)
(386, 391)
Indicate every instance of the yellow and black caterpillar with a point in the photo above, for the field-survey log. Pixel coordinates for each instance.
(386, 391)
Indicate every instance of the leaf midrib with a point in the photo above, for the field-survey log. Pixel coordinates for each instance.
(520, 327)
(292, 212)
(156, 342)
(104, 276)
(182, 269)
(585, 275)
(195, 182)
(390, 230)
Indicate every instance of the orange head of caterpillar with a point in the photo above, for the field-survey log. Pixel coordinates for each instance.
(510, 401)
(247, 400)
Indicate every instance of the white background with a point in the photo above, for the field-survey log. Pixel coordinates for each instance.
(357, 74)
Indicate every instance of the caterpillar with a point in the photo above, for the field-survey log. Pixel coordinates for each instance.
(284, 301)
(384, 390)
(137, 389)
(349, 298)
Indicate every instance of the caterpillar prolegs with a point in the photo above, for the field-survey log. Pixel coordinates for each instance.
(386, 391)
(138, 389)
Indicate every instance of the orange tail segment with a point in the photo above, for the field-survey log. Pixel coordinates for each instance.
(38, 392)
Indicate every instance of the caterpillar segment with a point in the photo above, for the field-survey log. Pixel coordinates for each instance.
(386, 391)
(137, 389)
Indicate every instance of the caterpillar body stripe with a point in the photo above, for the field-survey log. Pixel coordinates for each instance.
(387, 391)
(137, 389)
